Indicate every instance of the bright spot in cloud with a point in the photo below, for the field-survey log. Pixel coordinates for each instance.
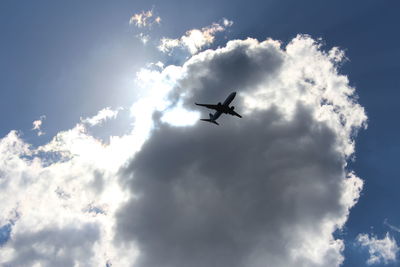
(178, 116)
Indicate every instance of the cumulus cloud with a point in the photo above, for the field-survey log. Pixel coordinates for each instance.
(59, 200)
(194, 40)
(268, 189)
(68, 188)
(55, 246)
(37, 124)
(144, 19)
(380, 250)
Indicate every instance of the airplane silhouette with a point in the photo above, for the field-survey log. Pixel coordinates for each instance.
(221, 108)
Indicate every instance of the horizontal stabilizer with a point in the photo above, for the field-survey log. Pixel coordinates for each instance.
(212, 121)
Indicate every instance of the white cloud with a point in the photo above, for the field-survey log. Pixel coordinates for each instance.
(194, 40)
(270, 187)
(167, 44)
(61, 197)
(144, 19)
(380, 250)
(68, 188)
(37, 124)
(101, 116)
(47, 199)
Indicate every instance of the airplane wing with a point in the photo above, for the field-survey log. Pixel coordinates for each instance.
(212, 121)
(216, 107)
(233, 113)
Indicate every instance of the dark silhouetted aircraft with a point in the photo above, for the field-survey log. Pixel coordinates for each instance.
(220, 108)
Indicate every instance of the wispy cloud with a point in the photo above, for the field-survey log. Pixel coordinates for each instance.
(37, 124)
(194, 40)
(144, 38)
(380, 250)
(393, 227)
(101, 116)
(144, 19)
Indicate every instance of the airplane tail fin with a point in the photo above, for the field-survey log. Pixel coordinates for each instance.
(209, 120)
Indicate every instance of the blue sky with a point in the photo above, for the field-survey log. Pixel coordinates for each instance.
(69, 60)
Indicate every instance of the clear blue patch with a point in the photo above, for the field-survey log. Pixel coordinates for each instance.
(5, 232)
(94, 209)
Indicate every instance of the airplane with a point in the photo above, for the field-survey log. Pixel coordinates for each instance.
(220, 108)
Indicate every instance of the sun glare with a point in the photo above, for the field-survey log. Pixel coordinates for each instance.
(179, 116)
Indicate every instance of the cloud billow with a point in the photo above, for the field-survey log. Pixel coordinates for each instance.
(240, 65)
(269, 189)
(55, 246)
(266, 190)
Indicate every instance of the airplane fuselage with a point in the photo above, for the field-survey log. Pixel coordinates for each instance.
(224, 108)
(229, 99)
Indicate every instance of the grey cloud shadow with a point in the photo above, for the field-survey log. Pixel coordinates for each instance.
(227, 196)
(238, 68)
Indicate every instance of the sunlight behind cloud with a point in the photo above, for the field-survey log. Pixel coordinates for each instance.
(179, 116)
